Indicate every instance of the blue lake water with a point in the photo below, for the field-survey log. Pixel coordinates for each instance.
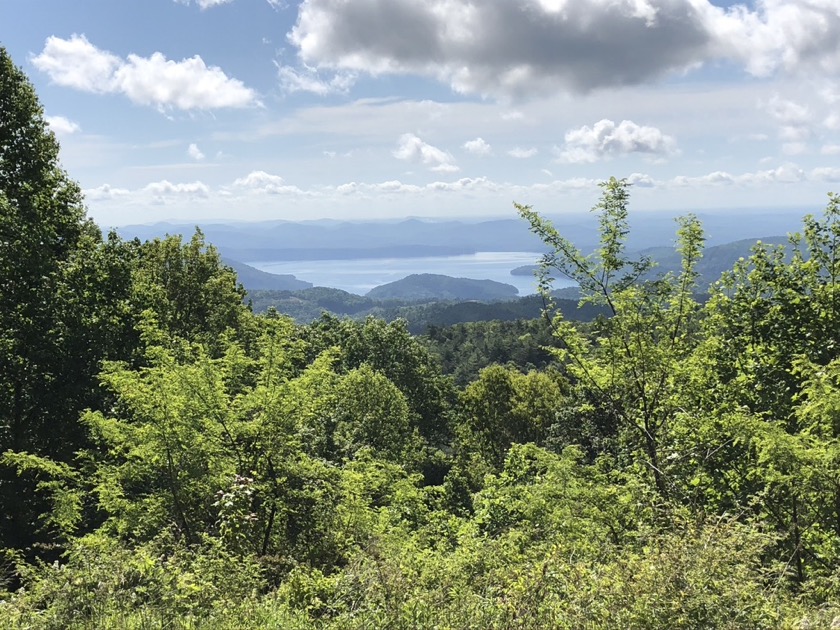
(361, 275)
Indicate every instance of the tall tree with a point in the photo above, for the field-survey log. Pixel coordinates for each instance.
(631, 369)
(189, 290)
(42, 223)
(43, 229)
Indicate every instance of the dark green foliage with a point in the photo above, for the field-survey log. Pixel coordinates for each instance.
(54, 303)
(187, 289)
(426, 286)
(421, 317)
(504, 407)
(309, 304)
(466, 349)
(388, 348)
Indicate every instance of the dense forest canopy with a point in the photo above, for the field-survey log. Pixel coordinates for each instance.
(171, 459)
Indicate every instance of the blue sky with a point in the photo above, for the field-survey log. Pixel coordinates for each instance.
(266, 109)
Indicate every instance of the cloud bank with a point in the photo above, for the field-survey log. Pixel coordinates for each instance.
(530, 47)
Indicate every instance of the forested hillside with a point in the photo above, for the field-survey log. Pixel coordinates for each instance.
(172, 460)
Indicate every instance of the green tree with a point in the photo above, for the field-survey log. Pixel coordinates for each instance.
(51, 328)
(772, 331)
(505, 407)
(632, 368)
(190, 292)
(371, 412)
(69, 301)
(388, 348)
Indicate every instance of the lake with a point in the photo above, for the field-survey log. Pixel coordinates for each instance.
(361, 275)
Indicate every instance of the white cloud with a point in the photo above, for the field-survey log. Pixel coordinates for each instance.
(830, 149)
(61, 125)
(104, 192)
(165, 188)
(478, 147)
(155, 80)
(261, 182)
(641, 180)
(717, 178)
(205, 4)
(309, 80)
(257, 192)
(784, 174)
(412, 148)
(391, 187)
(832, 122)
(826, 174)
(794, 123)
(78, 64)
(194, 152)
(789, 35)
(516, 49)
(605, 139)
(521, 154)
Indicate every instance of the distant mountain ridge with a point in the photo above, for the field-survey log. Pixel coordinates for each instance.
(716, 259)
(651, 234)
(328, 240)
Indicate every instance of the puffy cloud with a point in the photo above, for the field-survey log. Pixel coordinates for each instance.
(194, 152)
(165, 188)
(264, 183)
(390, 187)
(104, 192)
(503, 47)
(155, 80)
(641, 180)
(78, 64)
(605, 139)
(786, 174)
(61, 125)
(544, 46)
(521, 154)
(412, 148)
(790, 35)
(478, 147)
(830, 149)
(717, 178)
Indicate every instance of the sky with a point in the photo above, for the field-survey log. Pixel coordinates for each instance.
(196, 110)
